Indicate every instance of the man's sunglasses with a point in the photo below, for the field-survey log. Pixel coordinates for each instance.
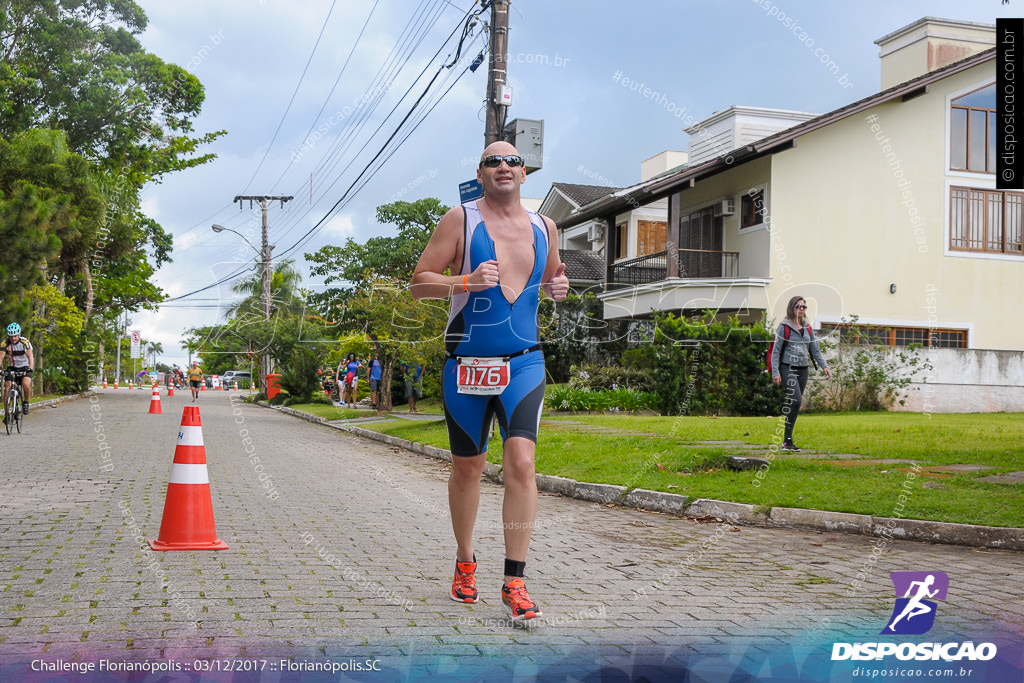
(494, 161)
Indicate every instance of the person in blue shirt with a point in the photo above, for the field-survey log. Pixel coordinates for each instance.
(413, 375)
(375, 372)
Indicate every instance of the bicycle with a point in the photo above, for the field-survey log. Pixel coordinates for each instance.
(13, 404)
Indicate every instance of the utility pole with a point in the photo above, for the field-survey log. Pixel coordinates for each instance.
(120, 337)
(498, 74)
(264, 256)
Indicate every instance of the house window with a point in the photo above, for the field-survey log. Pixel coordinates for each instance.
(651, 237)
(752, 209)
(986, 221)
(972, 135)
(622, 240)
(877, 335)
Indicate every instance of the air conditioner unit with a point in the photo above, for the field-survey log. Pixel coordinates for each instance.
(726, 207)
(595, 233)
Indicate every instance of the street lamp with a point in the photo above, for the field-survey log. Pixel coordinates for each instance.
(264, 255)
(221, 228)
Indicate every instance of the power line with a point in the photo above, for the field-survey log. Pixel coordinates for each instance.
(333, 87)
(346, 195)
(470, 16)
(419, 24)
(297, 86)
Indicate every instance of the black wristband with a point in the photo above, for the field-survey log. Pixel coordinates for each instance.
(513, 568)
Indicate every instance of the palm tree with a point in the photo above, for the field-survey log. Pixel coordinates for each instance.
(153, 350)
(284, 292)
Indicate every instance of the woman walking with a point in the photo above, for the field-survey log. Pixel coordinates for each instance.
(794, 347)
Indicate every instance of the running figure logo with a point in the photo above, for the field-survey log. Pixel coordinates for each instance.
(913, 613)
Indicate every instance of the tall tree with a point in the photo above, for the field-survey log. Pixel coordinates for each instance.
(125, 117)
(77, 65)
(390, 257)
(153, 350)
(284, 292)
(370, 299)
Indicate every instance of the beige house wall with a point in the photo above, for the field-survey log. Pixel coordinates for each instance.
(752, 243)
(863, 204)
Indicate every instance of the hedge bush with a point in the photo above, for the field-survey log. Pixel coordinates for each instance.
(708, 366)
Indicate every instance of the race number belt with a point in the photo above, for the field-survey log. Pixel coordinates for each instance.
(485, 375)
(482, 375)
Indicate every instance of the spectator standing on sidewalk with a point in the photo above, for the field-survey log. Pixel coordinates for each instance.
(375, 374)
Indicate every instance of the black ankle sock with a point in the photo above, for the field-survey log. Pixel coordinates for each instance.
(513, 568)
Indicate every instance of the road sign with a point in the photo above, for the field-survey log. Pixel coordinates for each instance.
(136, 344)
(470, 190)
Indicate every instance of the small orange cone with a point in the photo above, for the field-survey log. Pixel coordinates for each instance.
(188, 511)
(236, 385)
(130, 384)
(104, 382)
(170, 390)
(115, 383)
(154, 403)
(202, 386)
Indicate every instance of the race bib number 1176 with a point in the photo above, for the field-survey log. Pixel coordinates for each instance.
(483, 375)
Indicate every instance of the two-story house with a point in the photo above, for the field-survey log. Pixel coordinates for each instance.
(885, 208)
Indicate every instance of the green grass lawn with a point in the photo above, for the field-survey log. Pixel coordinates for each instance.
(337, 413)
(666, 455)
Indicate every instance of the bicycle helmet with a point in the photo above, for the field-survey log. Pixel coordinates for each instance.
(13, 329)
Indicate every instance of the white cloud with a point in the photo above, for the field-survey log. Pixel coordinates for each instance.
(340, 226)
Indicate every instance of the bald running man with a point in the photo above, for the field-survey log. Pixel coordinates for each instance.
(500, 257)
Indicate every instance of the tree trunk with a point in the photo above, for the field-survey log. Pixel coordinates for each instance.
(387, 371)
(89, 294)
(37, 356)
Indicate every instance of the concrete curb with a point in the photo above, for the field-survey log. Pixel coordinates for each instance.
(740, 514)
(61, 399)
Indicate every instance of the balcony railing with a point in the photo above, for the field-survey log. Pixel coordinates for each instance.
(693, 263)
(640, 271)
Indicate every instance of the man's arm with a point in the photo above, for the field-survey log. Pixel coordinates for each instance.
(429, 280)
(31, 358)
(555, 283)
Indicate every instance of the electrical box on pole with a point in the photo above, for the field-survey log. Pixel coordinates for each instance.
(527, 135)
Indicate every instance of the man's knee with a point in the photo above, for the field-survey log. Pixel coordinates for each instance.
(518, 462)
(469, 468)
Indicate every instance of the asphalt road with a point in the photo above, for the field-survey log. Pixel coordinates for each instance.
(341, 556)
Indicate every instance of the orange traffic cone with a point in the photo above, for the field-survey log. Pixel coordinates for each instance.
(104, 382)
(115, 383)
(202, 386)
(130, 384)
(170, 390)
(154, 403)
(188, 511)
(236, 385)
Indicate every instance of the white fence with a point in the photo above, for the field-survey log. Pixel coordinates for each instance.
(968, 381)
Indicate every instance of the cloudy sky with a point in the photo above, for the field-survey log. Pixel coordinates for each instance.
(306, 122)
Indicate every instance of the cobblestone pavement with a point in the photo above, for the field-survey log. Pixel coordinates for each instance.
(342, 548)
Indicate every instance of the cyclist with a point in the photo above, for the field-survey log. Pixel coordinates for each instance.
(22, 362)
(195, 378)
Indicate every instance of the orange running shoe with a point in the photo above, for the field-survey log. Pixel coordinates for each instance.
(464, 583)
(517, 603)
